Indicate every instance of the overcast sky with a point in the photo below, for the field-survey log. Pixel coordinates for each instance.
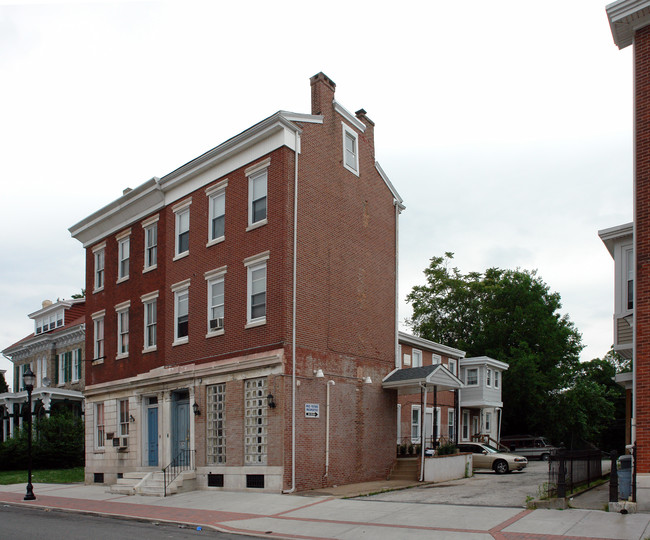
(505, 126)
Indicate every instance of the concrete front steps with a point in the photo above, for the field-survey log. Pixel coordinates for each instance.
(406, 469)
(152, 484)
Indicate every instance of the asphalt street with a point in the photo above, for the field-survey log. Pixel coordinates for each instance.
(20, 523)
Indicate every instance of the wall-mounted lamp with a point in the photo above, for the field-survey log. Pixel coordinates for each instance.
(319, 373)
(367, 380)
(131, 418)
(271, 401)
(195, 408)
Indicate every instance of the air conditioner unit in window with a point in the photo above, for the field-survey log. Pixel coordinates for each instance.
(216, 324)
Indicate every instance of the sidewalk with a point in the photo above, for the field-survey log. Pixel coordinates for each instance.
(328, 517)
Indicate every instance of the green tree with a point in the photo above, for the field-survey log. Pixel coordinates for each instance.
(509, 315)
(3, 384)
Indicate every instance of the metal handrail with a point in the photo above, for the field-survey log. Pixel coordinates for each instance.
(184, 461)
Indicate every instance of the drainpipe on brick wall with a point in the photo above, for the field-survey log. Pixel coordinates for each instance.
(423, 415)
(327, 429)
(293, 318)
(397, 207)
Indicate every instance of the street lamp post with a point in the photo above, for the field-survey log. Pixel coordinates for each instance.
(29, 379)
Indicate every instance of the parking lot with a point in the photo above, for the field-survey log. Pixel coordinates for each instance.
(485, 488)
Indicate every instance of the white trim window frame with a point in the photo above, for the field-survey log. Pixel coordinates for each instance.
(416, 358)
(98, 336)
(350, 149)
(150, 227)
(471, 376)
(100, 426)
(451, 423)
(465, 426)
(76, 365)
(122, 311)
(217, 213)
(123, 255)
(181, 292)
(628, 291)
(488, 377)
(123, 417)
(150, 313)
(256, 297)
(416, 423)
(488, 422)
(99, 257)
(496, 378)
(182, 229)
(451, 366)
(216, 301)
(258, 179)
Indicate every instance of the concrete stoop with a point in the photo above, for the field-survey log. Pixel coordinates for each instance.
(152, 484)
(406, 469)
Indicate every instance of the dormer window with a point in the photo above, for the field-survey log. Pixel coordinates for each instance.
(49, 322)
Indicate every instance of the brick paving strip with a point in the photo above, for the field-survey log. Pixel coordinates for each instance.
(218, 519)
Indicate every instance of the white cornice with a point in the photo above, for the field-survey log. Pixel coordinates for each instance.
(613, 235)
(625, 18)
(484, 361)
(422, 343)
(349, 117)
(189, 372)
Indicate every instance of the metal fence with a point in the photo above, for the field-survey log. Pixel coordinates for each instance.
(569, 469)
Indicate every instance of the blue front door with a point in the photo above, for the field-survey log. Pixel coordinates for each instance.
(152, 430)
(181, 430)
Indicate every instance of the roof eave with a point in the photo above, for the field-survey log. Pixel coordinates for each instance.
(625, 18)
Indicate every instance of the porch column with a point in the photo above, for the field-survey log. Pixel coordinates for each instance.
(165, 427)
(456, 415)
(435, 416)
(192, 390)
(47, 404)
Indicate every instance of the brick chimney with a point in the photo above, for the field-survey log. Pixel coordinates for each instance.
(369, 134)
(322, 93)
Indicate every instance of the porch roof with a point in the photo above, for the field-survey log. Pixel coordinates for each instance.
(410, 380)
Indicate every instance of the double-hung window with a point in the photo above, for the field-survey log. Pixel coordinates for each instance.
(256, 297)
(123, 255)
(496, 379)
(488, 377)
(122, 311)
(100, 430)
(98, 255)
(350, 150)
(451, 424)
(150, 304)
(417, 358)
(471, 376)
(216, 300)
(257, 193)
(451, 366)
(217, 212)
(150, 227)
(182, 213)
(488, 422)
(123, 409)
(181, 311)
(415, 422)
(76, 365)
(98, 335)
(629, 279)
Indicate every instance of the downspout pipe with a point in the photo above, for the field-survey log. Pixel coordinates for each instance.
(327, 429)
(423, 414)
(398, 361)
(293, 316)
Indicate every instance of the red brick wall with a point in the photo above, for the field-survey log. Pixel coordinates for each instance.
(642, 245)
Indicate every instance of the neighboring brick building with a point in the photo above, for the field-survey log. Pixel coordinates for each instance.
(55, 353)
(465, 395)
(254, 286)
(630, 24)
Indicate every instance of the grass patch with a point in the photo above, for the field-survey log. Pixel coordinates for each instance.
(45, 476)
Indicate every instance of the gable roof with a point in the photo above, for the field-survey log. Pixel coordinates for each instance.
(410, 380)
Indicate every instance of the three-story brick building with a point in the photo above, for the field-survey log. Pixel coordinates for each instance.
(241, 310)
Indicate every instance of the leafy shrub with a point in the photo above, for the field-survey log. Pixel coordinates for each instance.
(447, 449)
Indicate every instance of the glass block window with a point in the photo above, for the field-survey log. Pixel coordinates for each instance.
(216, 400)
(256, 421)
